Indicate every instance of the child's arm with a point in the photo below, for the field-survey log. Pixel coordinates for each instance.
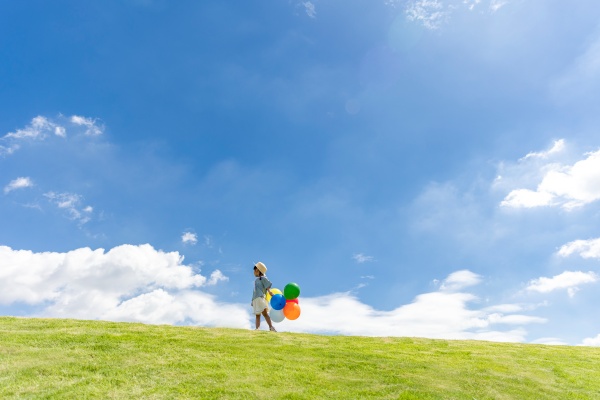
(269, 285)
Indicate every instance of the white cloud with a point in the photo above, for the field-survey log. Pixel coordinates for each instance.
(595, 341)
(569, 280)
(215, 277)
(42, 128)
(431, 13)
(309, 8)
(8, 150)
(505, 308)
(515, 319)
(471, 4)
(585, 248)
(189, 238)
(495, 5)
(60, 131)
(441, 314)
(361, 258)
(184, 307)
(459, 280)
(38, 128)
(127, 283)
(92, 129)
(71, 203)
(19, 183)
(550, 341)
(525, 198)
(557, 147)
(139, 283)
(568, 186)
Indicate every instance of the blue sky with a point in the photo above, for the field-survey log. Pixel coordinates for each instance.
(419, 167)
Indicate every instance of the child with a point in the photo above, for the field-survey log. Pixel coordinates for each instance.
(259, 304)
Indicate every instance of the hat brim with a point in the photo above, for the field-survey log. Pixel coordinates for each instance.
(261, 267)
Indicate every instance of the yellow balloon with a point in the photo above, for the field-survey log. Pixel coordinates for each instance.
(274, 291)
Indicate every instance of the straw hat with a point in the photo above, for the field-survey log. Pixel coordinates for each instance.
(261, 267)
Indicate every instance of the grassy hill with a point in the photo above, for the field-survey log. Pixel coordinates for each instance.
(51, 358)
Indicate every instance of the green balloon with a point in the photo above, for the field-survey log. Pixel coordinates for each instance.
(291, 291)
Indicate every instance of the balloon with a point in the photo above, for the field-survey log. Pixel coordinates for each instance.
(292, 301)
(277, 302)
(291, 291)
(274, 291)
(276, 315)
(291, 311)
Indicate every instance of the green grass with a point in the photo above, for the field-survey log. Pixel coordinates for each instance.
(68, 359)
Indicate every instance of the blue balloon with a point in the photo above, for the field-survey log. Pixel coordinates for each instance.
(277, 302)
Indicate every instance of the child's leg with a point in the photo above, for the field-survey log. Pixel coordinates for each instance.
(258, 321)
(267, 318)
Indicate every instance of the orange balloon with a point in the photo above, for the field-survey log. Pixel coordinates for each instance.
(291, 311)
